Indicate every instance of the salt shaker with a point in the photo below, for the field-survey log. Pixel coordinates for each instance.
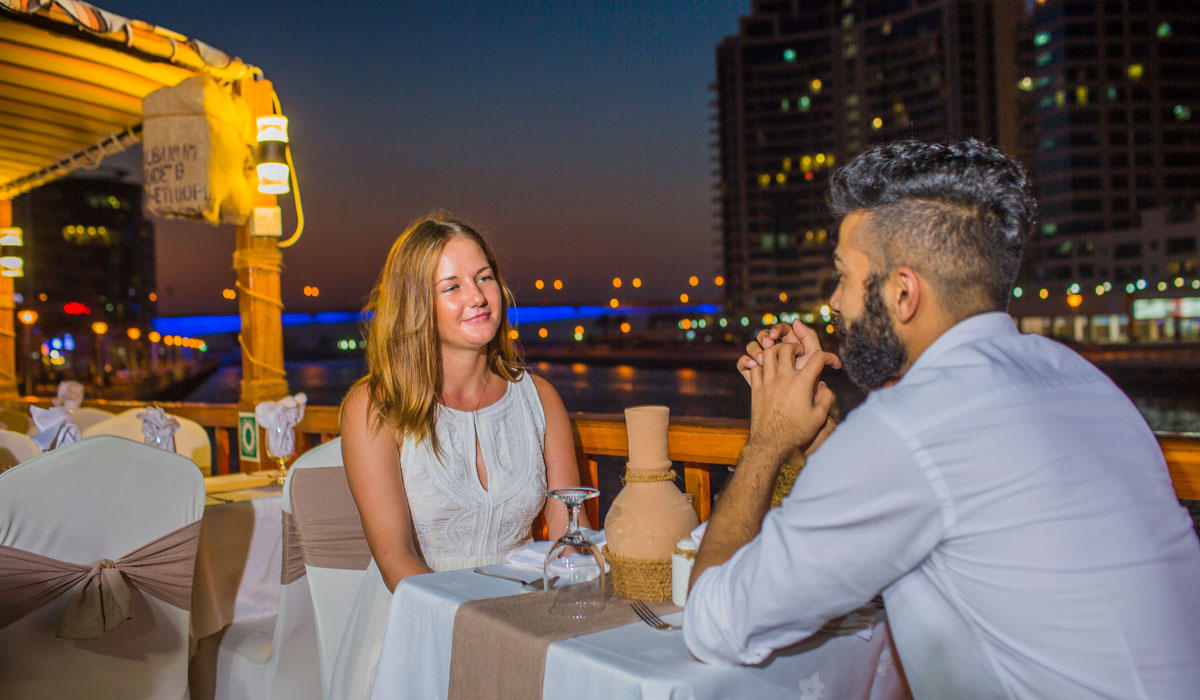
(681, 569)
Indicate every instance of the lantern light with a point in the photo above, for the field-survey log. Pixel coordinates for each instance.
(99, 327)
(134, 333)
(11, 235)
(12, 266)
(28, 317)
(272, 166)
(154, 336)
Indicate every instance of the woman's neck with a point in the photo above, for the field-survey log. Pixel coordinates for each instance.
(465, 377)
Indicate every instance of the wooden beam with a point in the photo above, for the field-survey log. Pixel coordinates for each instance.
(8, 334)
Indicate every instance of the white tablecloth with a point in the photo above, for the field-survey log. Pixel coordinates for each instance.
(238, 561)
(632, 661)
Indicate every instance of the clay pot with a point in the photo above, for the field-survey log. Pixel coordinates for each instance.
(648, 517)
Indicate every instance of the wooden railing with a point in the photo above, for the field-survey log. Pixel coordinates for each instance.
(699, 443)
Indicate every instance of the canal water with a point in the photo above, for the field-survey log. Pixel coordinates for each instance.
(705, 392)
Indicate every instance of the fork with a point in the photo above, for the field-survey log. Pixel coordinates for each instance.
(643, 611)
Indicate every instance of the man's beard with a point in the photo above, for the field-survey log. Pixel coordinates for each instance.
(872, 354)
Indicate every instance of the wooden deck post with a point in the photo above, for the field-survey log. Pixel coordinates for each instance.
(8, 336)
(258, 263)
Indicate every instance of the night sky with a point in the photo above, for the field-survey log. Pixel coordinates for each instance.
(575, 135)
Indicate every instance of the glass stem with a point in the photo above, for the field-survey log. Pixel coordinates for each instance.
(573, 519)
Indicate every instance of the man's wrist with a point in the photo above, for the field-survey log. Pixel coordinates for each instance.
(763, 454)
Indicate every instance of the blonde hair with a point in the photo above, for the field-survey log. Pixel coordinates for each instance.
(404, 359)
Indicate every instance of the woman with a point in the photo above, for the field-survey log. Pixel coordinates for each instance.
(449, 445)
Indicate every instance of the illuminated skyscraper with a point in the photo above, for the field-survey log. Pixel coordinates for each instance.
(807, 84)
(1116, 99)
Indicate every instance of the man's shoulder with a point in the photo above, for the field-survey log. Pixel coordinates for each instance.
(1011, 368)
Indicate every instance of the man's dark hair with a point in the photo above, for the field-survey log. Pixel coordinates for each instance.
(958, 213)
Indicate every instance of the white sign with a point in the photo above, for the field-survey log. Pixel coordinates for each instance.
(267, 221)
(1150, 309)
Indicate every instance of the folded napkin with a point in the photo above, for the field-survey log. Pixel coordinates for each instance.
(159, 427)
(279, 418)
(533, 555)
(69, 395)
(55, 427)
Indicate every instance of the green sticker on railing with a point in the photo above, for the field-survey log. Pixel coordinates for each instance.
(247, 437)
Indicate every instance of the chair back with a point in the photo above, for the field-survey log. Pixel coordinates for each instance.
(16, 448)
(334, 548)
(86, 417)
(191, 440)
(96, 499)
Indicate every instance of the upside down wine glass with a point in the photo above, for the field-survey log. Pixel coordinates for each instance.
(574, 567)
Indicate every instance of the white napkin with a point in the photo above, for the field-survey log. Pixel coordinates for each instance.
(280, 418)
(55, 427)
(69, 395)
(159, 427)
(533, 555)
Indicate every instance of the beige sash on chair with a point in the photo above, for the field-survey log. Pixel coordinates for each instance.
(101, 601)
(324, 528)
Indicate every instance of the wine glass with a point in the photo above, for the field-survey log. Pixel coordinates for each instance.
(282, 445)
(574, 567)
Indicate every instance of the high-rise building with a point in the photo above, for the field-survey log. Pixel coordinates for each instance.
(1115, 88)
(89, 253)
(807, 84)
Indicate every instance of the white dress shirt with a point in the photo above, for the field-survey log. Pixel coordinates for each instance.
(1017, 514)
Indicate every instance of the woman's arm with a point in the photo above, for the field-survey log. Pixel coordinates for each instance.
(373, 470)
(561, 469)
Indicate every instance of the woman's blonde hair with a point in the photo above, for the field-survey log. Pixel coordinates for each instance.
(404, 359)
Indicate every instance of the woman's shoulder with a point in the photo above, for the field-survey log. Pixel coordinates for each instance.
(359, 414)
(357, 403)
(546, 393)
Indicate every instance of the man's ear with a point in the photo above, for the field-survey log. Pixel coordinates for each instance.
(907, 293)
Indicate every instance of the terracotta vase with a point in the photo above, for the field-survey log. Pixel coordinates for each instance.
(648, 517)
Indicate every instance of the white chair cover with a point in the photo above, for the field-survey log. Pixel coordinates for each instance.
(86, 417)
(333, 589)
(16, 448)
(191, 440)
(280, 657)
(95, 499)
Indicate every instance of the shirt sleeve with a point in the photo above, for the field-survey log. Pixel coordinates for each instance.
(862, 513)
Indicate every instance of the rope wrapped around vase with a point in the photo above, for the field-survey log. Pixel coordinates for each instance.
(641, 579)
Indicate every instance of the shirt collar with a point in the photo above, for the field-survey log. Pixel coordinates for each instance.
(966, 331)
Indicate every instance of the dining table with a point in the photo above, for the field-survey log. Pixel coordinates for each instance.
(240, 552)
(631, 660)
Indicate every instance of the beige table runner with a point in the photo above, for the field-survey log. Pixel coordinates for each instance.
(237, 482)
(499, 644)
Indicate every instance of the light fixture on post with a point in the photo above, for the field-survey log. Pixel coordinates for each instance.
(11, 265)
(273, 171)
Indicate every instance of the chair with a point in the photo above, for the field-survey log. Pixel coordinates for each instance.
(191, 440)
(103, 498)
(289, 656)
(87, 417)
(16, 448)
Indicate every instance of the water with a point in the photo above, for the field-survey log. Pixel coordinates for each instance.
(701, 392)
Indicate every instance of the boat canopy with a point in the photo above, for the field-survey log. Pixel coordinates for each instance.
(72, 80)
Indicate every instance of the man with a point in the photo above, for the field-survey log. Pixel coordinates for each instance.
(1006, 498)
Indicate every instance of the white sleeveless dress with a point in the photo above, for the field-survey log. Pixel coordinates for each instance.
(459, 524)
